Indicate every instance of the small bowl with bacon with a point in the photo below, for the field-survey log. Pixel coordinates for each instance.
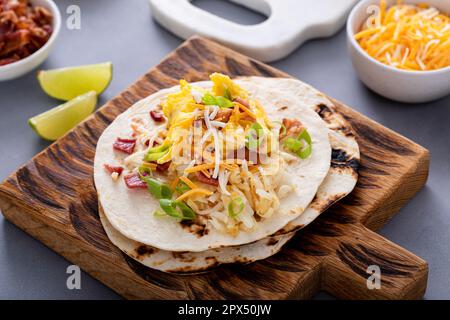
(28, 30)
(401, 49)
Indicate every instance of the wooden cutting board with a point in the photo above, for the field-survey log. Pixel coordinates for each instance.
(52, 198)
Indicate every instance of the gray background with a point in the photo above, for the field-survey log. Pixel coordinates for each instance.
(124, 33)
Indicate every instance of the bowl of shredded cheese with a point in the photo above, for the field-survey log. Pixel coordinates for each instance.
(401, 49)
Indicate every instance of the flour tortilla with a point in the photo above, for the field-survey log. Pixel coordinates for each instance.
(130, 211)
(193, 262)
(343, 174)
(339, 182)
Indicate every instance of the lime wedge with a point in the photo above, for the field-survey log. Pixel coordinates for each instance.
(68, 83)
(55, 122)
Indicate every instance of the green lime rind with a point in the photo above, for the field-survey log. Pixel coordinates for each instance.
(54, 123)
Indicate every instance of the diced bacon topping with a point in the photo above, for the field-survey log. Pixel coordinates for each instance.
(134, 182)
(207, 180)
(293, 127)
(24, 29)
(125, 145)
(111, 169)
(163, 167)
(157, 116)
(243, 102)
(223, 115)
(6, 61)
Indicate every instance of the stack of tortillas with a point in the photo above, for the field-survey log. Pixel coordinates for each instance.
(164, 244)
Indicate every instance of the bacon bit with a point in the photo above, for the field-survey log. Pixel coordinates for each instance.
(24, 29)
(243, 102)
(147, 143)
(293, 128)
(111, 169)
(125, 145)
(223, 115)
(207, 180)
(6, 61)
(134, 182)
(157, 116)
(246, 118)
(163, 167)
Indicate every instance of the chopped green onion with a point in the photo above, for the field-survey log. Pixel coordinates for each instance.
(235, 207)
(158, 189)
(158, 149)
(209, 100)
(170, 208)
(227, 95)
(224, 102)
(155, 153)
(254, 136)
(150, 157)
(182, 187)
(144, 169)
(301, 146)
(188, 213)
(306, 151)
(293, 144)
(159, 213)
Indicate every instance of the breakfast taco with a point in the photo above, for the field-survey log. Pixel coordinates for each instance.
(210, 165)
(340, 181)
(343, 174)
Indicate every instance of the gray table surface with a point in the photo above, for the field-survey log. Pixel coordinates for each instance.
(122, 31)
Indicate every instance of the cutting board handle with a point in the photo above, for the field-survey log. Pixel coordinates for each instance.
(352, 273)
(290, 23)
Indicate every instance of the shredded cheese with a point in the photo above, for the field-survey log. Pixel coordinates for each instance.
(246, 110)
(149, 165)
(192, 129)
(214, 113)
(223, 181)
(207, 166)
(217, 150)
(408, 37)
(186, 123)
(206, 173)
(189, 183)
(218, 124)
(114, 176)
(174, 183)
(192, 192)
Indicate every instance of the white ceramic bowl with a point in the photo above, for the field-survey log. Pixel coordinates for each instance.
(390, 82)
(19, 68)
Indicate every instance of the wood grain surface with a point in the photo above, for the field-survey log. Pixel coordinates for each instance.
(53, 198)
